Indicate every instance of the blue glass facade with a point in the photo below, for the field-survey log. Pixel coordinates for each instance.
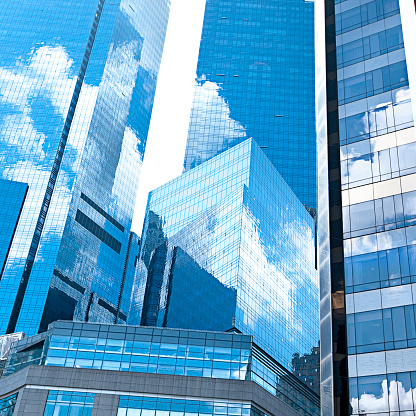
(7, 405)
(229, 356)
(73, 403)
(371, 131)
(12, 198)
(77, 81)
(229, 245)
(69, 403)
(129, 406)
(255, 78)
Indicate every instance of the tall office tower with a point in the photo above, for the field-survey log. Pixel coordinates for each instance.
(367, 161)
(228, 246)
(77, 81)
(255, 78)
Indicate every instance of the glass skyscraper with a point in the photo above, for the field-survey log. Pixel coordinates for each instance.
(367, 235)
(77, 81)
(229, 246)
(255, 78)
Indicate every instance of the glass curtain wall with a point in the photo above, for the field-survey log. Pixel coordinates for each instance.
(372, 148)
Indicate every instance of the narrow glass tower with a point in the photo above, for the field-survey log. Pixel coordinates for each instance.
(367, 149)
(77, 81)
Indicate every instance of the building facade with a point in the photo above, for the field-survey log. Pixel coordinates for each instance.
(366, 146)
(6, 342)
(255, 78)
(108, 370)
(228, 246)
(77, 81)
(307, 369)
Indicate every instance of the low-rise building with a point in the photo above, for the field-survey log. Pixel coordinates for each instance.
(92, 369)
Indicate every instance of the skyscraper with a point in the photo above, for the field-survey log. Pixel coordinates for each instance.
(367, 164)
(229, 246)
(255, 78)
(77, 81)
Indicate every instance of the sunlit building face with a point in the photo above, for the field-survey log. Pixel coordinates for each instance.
(255, 78)
(77, 80)
(229, 245)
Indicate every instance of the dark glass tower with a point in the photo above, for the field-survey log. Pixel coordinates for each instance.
(367, 235)
(77, 81)
(255, 78)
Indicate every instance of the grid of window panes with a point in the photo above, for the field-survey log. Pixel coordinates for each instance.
(384, 394)
(255, 78)
(278, 382)
(7, 405)
(256, 240)
(277, 260)
(69, 403)
(378, 166)
(74, 121)
(162, 351)
(151, 350)
(373, 85)
(143, 406)
(382, 329)
(27, 356)
(176, 204)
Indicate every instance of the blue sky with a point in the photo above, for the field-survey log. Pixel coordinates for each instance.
(168, 130)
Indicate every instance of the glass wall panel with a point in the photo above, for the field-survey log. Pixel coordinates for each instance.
(148, 406)
(7, 405)
(378, 166)
(373, 395)
(386, 329)
(67, 403)
(370, 46)
(365, 14)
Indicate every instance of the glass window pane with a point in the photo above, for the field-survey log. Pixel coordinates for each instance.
(410, 322)
(409, 205)
(365, 268)
(369, 327)
(388, 325)
(399, 327)
(407, 156)
(362, 215)
(372, 393)
(393, 263)
(388, 210)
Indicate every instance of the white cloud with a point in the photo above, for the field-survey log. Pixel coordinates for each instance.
(395, 394)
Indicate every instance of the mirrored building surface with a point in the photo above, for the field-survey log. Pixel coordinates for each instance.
(228, 245)
(367, 224)
(77, 80)
(255, 78)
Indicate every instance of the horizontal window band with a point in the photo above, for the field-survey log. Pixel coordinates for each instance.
(98, 231)
(108, 217)
(69, 282)
(378, 190)
(107, 306)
